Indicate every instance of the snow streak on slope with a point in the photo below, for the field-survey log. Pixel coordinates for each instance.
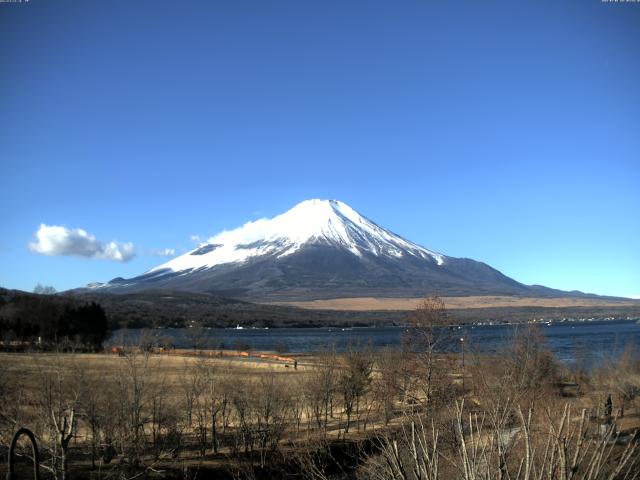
(327, 222)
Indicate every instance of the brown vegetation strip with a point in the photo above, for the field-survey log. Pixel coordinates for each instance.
(370, 303)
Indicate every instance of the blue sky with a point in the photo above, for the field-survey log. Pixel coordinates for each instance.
(507, 132)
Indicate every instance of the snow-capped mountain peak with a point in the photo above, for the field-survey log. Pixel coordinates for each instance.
(328, 222)
(317, 249)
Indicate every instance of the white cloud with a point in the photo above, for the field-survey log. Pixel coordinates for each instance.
(164, 252)
(195, 238)
(249, 232)
(55, 240)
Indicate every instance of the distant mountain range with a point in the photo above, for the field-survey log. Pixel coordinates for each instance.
(321, 249)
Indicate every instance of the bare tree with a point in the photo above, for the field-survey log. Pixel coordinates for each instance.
(133, 383)
(354, 380)
(272, 412)
(387, 383)
(189, 386)
(196, 336)
(298, 400)
(12, 391)
(531, 367)
(207, 394)
(146, 340)
(423, 339)
(557, 447)
(622, 376)
(320, 387)
(163, 421)
(412, 453)
(241, 401)
(200, 379)
(58, 406)
(44, 289)
(92, 407)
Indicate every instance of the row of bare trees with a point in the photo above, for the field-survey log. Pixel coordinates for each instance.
(514, 420)
(429, 414)
(128, 413)
(558, 445)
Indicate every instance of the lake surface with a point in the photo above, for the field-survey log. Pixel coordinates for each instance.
(587, 342)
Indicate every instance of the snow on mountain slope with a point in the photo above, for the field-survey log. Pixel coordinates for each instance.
(319, 249)
(329, 222)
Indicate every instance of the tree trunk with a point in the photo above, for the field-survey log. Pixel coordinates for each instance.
(93, 445)
(63, 458)
(214, 433)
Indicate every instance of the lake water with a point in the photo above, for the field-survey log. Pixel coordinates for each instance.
(585, 342)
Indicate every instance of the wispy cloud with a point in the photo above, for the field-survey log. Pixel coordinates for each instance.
(163, 252)
(56, 240)
(195, 238)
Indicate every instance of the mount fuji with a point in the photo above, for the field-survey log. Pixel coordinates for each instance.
(320, 249)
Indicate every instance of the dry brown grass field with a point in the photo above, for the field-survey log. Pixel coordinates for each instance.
(139, 412)
(195, 414)
(381, 304)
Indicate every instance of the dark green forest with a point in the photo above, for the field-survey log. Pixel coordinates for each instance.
(48, 320)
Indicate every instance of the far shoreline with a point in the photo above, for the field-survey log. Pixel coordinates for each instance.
(365, 304)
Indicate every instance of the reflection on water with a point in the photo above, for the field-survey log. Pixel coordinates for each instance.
(581, 342)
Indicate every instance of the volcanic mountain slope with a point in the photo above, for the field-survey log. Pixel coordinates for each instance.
(321, 249)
